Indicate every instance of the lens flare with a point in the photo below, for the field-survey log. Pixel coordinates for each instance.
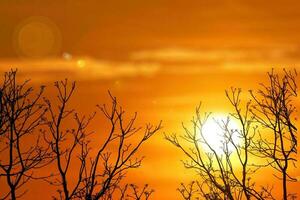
(37, 37)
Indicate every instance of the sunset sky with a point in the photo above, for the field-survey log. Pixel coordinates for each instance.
(160, 58)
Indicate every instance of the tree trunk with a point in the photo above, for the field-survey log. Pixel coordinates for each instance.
(284, 187)
(13, 194)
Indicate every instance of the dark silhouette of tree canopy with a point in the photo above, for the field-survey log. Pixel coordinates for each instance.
(221, 178)
(100, 175)
(274, 110)
(65, 144)
(35, 132)
(131, 191)
(21, 114)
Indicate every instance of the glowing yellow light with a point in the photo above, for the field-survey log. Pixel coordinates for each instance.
(213, 132)
(81, 63)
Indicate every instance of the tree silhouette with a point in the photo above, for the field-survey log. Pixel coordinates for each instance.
(37, 132)
(274, 110)
(191, 191)
(221, 177)
(100, 175)
(243, 148)
(21, 115)
(131, 191)
(109, 167)
(69, 144)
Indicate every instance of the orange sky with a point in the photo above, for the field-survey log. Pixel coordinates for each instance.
(159, 57)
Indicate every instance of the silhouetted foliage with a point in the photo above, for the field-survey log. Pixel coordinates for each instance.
(190, 191)
(108, 168)
(21, 114)
(99, 176)
(131, 191)
(37, 132)
(274, 110)
(220, 176)
(67, 144)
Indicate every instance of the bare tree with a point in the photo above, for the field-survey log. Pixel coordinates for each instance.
(99, 175)
(21, 115)
(216, 176)
(220, 178)
(190, 191)
(132, 191)
(68, 144)
(274, 110)
(109, 167)
(243, 148)
(267, 131)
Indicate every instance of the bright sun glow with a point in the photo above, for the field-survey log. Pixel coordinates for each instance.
(213, 132)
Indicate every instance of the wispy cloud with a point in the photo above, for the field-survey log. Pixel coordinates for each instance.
(181, 54)
(80, 68)
(150, 62)
(240, 59)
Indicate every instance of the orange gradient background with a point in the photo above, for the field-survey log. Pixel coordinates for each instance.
(160, 58)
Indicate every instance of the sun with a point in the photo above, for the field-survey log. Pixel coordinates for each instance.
(214, 133)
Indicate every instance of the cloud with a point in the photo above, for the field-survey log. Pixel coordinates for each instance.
(179, 61)
(182, 60)
(78, 68)
(182, 54)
